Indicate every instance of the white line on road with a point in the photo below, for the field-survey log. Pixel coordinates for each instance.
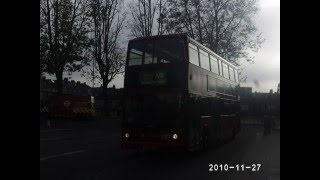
(59, 155)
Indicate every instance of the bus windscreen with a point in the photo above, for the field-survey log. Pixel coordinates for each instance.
(156, 51)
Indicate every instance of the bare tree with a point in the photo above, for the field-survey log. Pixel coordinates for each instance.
(147, 17)
(63, 37)
(242, 77)
(225, 26)
(107, 24)
(91, 72)
(161, 16)
(181, 18)
(142, 14)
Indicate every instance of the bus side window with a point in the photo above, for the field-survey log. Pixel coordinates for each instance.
(204, 60)
(193, 54)
(231, 73)
(236, 75)
(220, 86)
(227, 88)
(225, 70)
(220, 67)
(233, 90)
(211, 83)
(214, 65)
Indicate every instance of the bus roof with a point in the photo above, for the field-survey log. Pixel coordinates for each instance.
(183, 35)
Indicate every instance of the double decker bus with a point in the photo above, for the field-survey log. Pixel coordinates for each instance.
(178, 94)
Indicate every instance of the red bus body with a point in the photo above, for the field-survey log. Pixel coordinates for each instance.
(171, 102)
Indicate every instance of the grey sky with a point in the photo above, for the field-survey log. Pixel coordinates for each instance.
(266, 69)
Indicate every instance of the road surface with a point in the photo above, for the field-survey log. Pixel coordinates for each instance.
(90, 151)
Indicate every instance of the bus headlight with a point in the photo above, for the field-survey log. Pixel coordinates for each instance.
(126, 135)
(175, 136)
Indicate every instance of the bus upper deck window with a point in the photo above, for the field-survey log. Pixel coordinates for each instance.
(148, 58)
(236, 75)
(148, 53)
(193, 55)
(204, 60)
(225, 70)
(214, 65)
(220, 67)
(135, 57)
(168, 50)
(231, 74)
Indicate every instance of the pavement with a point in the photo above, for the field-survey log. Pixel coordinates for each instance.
(91, 150)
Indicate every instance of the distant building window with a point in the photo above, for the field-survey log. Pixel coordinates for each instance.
(193, 55)
(225, 70)
(204, 60)
(214, 65)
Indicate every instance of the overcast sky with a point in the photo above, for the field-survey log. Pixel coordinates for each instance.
(266, 69)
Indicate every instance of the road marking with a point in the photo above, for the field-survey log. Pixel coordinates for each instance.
(59, 155)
